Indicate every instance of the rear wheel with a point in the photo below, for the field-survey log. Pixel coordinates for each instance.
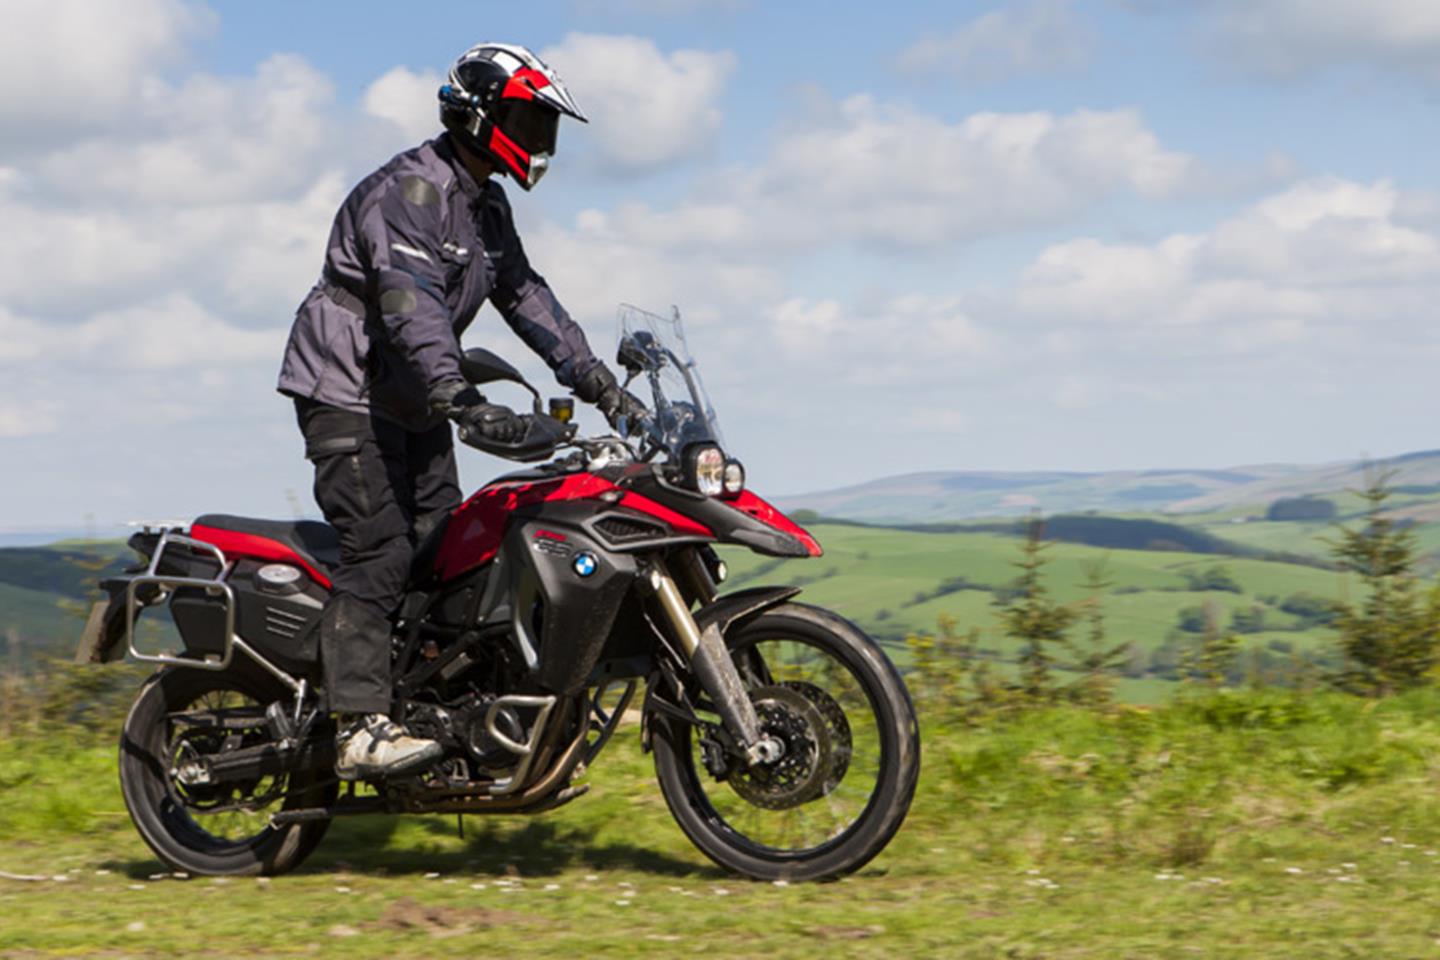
(850, 762)
(213, 829)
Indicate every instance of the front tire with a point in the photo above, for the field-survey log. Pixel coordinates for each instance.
(856, 750)
(181, 832)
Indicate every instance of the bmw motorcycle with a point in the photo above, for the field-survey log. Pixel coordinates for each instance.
(784, 740)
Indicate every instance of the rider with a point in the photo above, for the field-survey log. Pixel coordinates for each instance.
(373, 364)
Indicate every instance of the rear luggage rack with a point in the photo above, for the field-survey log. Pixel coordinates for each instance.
(215, 587)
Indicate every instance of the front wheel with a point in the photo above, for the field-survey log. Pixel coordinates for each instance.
(851, 758)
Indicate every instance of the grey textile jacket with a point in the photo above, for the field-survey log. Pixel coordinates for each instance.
(415, 250)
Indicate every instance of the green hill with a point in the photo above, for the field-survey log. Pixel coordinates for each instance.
(942, 496)
(897, 582)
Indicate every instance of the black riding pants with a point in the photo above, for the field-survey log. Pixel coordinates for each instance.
(384, 489)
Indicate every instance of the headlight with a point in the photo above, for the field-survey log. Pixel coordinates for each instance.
(734, 479)
(707, 471)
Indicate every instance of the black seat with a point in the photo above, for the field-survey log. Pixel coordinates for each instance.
(316, 543)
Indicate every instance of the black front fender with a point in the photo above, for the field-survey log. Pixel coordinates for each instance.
(729, 610)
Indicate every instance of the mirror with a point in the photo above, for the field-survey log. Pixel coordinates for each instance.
(479, 365)
(638, 351)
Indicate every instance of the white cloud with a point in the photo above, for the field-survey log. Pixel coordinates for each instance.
(894, 176)
(170, 333)
(74, 65)
(27, 419)
(647, 109)
(167, 333)
(209, 139)
(1289, 37)
(1325, 259)
(903, 341)
(893, 179)
(406, 99)
(1035, 37)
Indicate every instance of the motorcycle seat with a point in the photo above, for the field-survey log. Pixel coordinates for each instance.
(316, 543)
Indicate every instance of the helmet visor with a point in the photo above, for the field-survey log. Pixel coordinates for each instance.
(531, 125)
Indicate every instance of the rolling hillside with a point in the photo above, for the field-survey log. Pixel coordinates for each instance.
(951, 496)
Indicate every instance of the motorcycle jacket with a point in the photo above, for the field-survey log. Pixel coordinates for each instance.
(415, 251)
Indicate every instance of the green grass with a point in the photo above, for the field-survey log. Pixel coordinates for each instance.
(871, 575)
(1248, 825)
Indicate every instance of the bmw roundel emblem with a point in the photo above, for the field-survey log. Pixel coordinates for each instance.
(586, 564)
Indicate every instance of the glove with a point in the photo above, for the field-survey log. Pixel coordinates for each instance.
(476, 418)
(600, 387)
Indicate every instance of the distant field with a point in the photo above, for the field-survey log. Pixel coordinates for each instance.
(872, 575)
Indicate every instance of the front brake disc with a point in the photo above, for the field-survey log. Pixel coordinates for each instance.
(803, 770)
(836, 724)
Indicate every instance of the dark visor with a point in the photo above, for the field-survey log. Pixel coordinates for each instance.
(529, 124)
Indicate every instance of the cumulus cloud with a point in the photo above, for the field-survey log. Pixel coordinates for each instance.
(76, 65)
(895, 176)
(1325, 255)
(209, 138)
(1290, 37)
(1036, 37)
(406, 99)
(647, 109)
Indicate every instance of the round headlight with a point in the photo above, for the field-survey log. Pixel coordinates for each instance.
(709, 471)
(734, 479)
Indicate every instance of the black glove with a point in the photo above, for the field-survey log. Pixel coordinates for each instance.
(600, 387)
(476, 418)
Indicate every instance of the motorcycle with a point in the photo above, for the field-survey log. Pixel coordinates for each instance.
(784, 741)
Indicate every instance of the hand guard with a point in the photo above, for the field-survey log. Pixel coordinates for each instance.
(475, 417)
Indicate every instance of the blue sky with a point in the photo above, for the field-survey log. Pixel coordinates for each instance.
(1056, 234)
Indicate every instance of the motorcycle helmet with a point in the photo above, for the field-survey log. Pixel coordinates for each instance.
(503, 103)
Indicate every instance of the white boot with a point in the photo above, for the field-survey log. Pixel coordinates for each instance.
(375, 746)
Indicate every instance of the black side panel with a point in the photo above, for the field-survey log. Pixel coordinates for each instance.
(279, 621)
(565, 592)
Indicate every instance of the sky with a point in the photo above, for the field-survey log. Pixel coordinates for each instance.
(1046, 234)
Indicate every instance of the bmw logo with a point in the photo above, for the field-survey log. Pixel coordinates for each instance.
(585, 564)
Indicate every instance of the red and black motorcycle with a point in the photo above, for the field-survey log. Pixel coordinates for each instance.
(784, 740)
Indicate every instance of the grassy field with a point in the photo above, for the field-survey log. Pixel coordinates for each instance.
(1248, 825)
(873, 576)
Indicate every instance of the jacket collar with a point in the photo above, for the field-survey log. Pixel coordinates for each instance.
(445, 149)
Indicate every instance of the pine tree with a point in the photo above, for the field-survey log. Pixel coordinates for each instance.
(1034, 619)
(1389, 639)
(1097, 661)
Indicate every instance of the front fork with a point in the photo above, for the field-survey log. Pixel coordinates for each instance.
(710, 661)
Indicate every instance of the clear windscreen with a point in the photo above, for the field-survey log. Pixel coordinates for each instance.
(655, 355)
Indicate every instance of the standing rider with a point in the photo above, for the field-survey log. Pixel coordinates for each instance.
(373, 364)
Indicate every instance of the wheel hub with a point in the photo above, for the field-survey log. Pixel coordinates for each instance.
(800, 773)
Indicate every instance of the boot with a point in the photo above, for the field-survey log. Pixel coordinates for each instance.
(373, 746)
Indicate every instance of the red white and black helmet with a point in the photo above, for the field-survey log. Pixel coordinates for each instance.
(504, 103)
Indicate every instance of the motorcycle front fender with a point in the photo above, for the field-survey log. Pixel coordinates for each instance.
(730, 609)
